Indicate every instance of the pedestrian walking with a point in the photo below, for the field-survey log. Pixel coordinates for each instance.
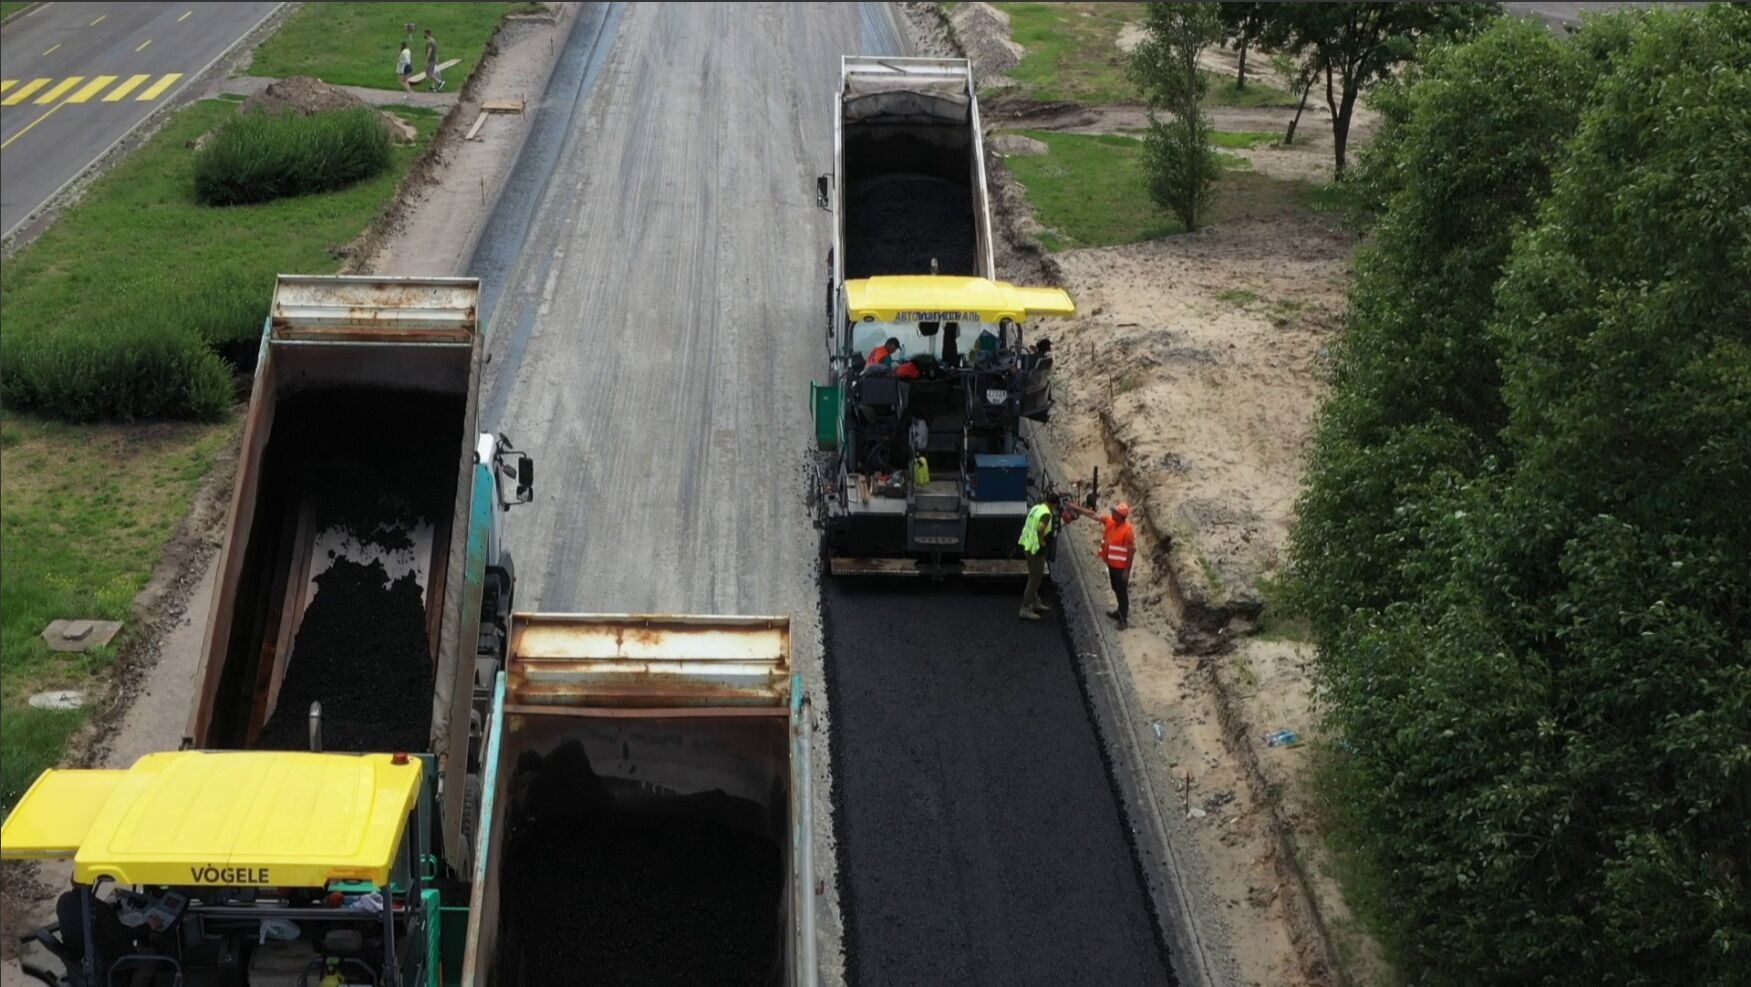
(1118, 549)
(404, 68)
(432, 72)
(1040, 523)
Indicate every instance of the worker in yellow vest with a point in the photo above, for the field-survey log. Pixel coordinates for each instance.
(1035, 529)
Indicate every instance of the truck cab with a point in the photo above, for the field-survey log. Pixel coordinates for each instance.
(257, 868)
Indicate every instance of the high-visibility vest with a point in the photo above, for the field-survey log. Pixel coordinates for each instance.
(879, 355)
(1118, 545)
(1038, 523)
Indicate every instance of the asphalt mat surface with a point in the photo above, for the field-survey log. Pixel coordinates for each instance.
(980, 839)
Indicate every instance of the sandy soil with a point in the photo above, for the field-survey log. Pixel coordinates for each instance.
(1198, 360)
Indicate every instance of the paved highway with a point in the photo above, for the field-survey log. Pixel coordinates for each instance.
(78, 76)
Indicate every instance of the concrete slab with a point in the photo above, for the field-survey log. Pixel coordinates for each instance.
(80, 635)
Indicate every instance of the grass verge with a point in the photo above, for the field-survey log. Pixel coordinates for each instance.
(1088, 190)
(1072, 50)
(10, 7)
(355, 44)
(87, 511)
(139, 262)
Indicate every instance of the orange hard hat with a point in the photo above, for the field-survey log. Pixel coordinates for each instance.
(1121, 509)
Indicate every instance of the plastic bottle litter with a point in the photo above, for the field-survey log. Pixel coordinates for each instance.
(1282, 738)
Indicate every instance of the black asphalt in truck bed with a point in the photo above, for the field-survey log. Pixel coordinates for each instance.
(980, 839)
(668, 894)
(897, 224)
(362, 651)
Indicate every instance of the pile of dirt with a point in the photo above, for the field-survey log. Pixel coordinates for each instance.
(307, 96)
(300, 94)
(898, 224)
(983, 32)
(362, 651)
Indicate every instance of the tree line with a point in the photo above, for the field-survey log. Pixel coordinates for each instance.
(1524, 545)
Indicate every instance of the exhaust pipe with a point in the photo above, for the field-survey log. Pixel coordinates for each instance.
(316, 728)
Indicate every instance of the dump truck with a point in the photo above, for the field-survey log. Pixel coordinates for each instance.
(922, 467)
(363, 593)
(645, 817)
(266, 868)
(645, 809)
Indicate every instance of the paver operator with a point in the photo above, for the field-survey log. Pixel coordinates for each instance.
(1038, 526)
(1118, 549)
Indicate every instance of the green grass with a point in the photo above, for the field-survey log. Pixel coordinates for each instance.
(1239, 297)
(1088, 191)
(1221, 92)
(355, 44)
(1072, 50)
(139, 257)
(1241, 138)
(86, 513)
(10, 7)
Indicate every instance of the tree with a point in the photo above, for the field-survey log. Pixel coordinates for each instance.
(1177, 158)
(1242, 23)
(1301, 73)
(1357, 44)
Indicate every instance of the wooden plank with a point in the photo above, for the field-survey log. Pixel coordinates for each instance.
(419, 77)
(501, 106)
(474, 130)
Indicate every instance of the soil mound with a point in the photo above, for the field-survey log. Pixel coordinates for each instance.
(306, 96)
(983, 31)
(300, 94)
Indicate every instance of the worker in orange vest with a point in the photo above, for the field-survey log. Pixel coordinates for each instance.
(884, 353)
(1118, 549)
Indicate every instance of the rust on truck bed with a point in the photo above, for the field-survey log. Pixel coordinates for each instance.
(646, 661)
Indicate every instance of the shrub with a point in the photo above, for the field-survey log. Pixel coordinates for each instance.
(115, 371)
(260, 157)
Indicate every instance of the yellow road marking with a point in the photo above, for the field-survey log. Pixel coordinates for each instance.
(24, 92)
(6, 84)
(99, 20)
(118, 93)
(143, 46)
(91, 89)
(52, 110)
(60, 89)
(159, 87)
(184, 16)
(51, 51)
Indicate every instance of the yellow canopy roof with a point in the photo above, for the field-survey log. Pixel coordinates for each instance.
(941, 298)
(228, 818)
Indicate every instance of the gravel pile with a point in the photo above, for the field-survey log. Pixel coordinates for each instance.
(895, 224)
